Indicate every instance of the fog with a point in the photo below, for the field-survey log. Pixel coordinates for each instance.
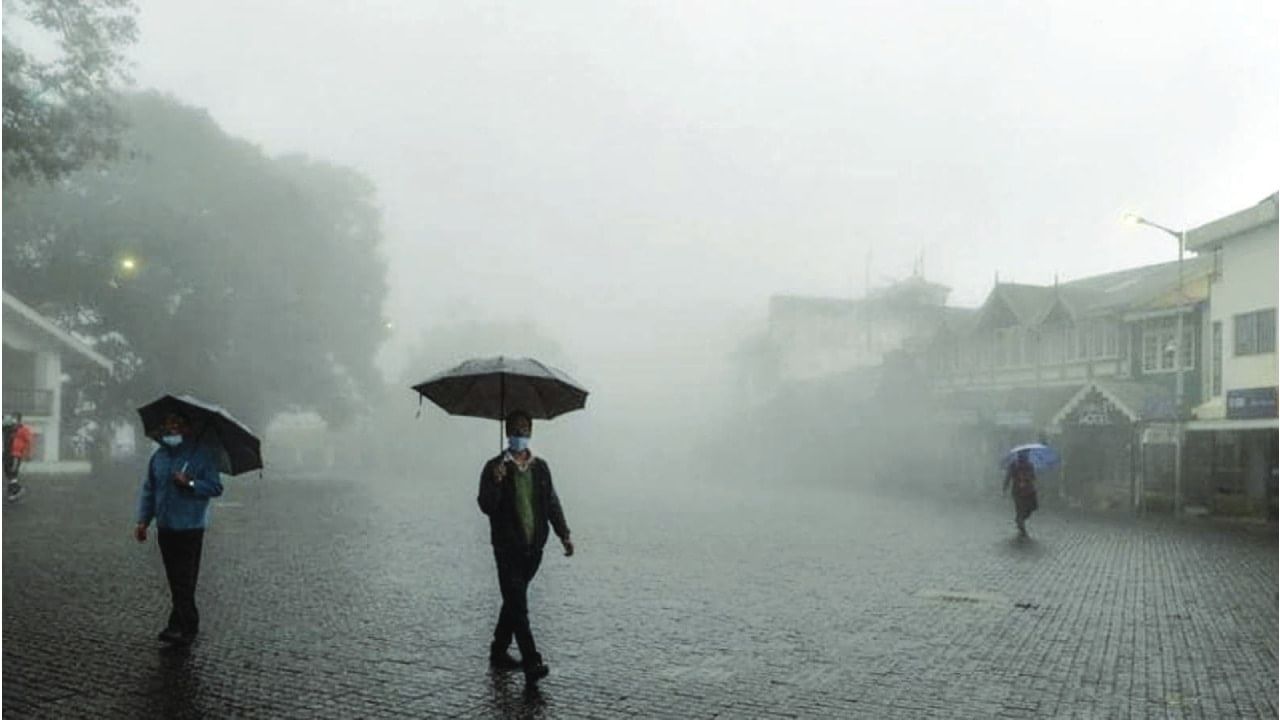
(620, 189)
(858, 290)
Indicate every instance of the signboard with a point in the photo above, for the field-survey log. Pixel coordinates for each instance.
(1251, 403)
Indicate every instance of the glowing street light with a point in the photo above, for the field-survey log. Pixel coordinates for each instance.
(128, 265)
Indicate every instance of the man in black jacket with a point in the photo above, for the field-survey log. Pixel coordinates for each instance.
(517, 495)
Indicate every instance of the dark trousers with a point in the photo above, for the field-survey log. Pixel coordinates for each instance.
(181, 550)
(11, 465)
(516, 568)
(1023, 506)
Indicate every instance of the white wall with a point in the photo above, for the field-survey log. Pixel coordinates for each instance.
(1249, 282)
(48, 376)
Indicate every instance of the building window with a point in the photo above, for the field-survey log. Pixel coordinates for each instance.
(1150, 352)
(1082, 341)
(1256, 332)
(1159, 345)
(1110, 341)
(1217, 359)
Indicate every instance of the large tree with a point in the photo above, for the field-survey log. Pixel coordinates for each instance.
(200, 263)
(59, 107)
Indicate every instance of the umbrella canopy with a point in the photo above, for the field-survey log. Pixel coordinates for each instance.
(241, 449)
(492, 387)
(1042, 457)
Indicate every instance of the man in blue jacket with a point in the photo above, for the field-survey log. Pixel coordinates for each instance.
(517, 495)
(181, 477)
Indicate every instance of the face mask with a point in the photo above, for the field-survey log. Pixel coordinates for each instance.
(518, 443)
(172, 440)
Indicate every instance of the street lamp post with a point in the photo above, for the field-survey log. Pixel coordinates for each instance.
(1180, 367)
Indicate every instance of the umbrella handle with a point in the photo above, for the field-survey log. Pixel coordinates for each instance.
(502, 404)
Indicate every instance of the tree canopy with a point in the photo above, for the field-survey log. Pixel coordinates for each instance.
(59, 111)
(199, 263)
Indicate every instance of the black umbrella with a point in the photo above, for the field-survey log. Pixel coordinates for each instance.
(241, 449)
(491, 387)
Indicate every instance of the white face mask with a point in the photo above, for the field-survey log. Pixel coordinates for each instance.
(172, 440)
(518, 443)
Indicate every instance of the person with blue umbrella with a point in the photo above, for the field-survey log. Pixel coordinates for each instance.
(1020, 475)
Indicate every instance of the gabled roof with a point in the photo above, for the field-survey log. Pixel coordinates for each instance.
(1138, 401)
(59, 336)
(1024, 304)
(1141, 288)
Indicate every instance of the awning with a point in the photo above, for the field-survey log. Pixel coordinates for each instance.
(1240, 424)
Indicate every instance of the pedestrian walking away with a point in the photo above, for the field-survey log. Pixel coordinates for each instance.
(181, 478)
(18, 443)
(1021, 477)
(517, 494)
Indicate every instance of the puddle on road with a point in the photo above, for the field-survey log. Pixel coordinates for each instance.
(962, 596)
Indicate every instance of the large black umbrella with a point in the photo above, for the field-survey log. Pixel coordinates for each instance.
(241, 449)
(492, 387)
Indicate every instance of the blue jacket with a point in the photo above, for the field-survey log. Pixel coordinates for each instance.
(172, 507)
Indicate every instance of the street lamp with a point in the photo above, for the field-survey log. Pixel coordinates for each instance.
(1178, 393)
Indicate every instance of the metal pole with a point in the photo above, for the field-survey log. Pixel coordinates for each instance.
(1178, 388)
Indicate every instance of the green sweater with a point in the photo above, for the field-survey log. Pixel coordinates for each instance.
(524, 501)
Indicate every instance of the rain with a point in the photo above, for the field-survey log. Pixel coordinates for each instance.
(353, 347)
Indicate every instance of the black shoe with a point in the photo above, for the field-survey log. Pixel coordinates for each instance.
(169, 635)
(16, 491)
(502, 661)
(535, 671)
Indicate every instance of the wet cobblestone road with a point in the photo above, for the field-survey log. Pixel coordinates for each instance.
(328, 598)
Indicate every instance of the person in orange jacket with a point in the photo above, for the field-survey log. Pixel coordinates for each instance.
(18, 443)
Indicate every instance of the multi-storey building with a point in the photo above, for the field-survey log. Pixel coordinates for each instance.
(1232, 438)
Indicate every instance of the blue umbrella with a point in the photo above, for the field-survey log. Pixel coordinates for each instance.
(1042, 457)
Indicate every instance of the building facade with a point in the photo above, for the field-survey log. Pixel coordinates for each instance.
(1093, 366)
(36, 353)
(1232, 436)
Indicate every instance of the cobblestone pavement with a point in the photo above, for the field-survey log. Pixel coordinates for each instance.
(359, 597)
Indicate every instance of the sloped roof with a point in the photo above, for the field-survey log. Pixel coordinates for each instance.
(1140, 288)
(1137, 400)
(49, 329)
(1026, 303)
(1135, 287)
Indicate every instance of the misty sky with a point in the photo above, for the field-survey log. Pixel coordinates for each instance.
(635, 176)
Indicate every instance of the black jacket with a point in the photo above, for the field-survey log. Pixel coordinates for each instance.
(497, 500)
